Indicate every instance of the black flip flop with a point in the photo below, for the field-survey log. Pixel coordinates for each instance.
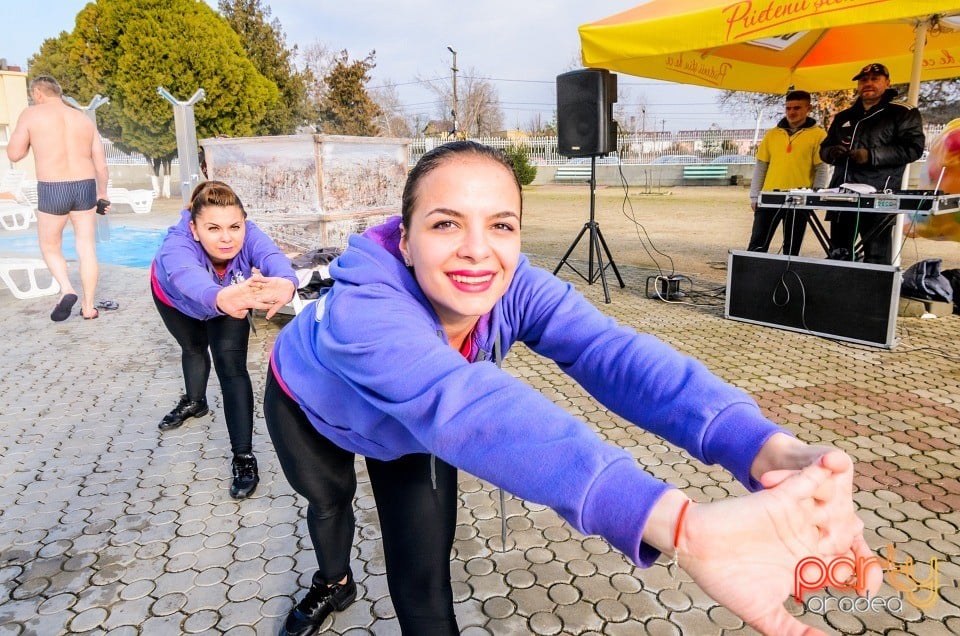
(62, 310)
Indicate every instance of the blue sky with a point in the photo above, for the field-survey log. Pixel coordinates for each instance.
(519, 45)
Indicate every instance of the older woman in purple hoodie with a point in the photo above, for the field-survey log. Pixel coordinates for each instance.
(394, 364)
(212, 269)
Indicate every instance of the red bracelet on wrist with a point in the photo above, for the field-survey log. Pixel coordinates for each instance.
(676, 532)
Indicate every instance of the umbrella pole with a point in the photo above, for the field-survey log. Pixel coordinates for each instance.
(919, 42)
(598, 245)
(913, 97)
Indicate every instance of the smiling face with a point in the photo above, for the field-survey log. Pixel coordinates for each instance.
(871, 88)
(463, 239)
(220, 229)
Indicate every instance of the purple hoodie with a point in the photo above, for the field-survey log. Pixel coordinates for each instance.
(370, 366)
(184, 274)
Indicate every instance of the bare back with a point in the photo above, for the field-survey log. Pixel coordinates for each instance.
(62, 139)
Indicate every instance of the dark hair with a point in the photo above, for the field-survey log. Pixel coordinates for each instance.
(432, 159)
(213, 193)
(47, 84)
(798, 96)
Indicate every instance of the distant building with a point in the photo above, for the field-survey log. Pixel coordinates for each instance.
(438, 127)
(515, 136)
(13, 101)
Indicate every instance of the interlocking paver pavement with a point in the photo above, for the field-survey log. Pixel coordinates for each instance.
(107, 527)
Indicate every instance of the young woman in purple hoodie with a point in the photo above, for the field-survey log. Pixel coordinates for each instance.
(212, 269)
(394, 364)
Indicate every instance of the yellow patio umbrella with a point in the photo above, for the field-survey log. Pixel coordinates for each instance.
(770, 46)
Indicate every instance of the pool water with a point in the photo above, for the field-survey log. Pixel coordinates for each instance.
(130, 246)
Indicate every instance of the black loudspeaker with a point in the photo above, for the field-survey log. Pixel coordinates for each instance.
(850, 301)
(585, 125)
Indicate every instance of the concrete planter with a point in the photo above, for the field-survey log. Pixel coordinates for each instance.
(312, 191)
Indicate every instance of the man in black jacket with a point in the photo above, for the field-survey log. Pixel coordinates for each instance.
(871, 142)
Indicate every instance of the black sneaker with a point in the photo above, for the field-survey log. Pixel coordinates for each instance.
(245, 476)
(184, 410)
(320, 601)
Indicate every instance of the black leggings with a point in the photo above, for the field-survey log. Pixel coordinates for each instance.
(417, 520)
(227, 339)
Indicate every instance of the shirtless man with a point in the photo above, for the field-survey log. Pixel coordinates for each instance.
(71, 176)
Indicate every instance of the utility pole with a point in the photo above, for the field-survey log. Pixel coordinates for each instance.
(643, 129)
(456, 128)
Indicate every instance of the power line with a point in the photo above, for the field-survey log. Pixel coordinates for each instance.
(681, 110)
(499, 79)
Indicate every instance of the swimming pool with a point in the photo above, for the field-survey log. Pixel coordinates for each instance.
(130, 246)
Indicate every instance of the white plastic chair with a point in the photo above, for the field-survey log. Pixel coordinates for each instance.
(118, 195)
(28, 267)
(140, 200)
(15, 216)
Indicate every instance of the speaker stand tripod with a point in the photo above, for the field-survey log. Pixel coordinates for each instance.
(596, 241)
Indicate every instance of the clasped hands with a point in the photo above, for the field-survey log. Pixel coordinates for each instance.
(857, 155)
(266, 293)
(744, 551)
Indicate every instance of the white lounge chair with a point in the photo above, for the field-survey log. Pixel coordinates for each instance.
(29, 191)
(140, 200)
(14, 215)
(26, 269)
(30, 197)
(12, 181)
(24, 192)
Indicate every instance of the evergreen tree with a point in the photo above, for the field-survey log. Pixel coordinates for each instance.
(347, 108)
(265, 44)
(522, 167)
(126, 49)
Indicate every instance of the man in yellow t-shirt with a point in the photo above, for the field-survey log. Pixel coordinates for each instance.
(788, 157)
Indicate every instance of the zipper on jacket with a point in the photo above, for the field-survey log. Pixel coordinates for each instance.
(498, 360)
(853, 136)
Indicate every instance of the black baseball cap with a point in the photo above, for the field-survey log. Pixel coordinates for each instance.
(876, 67)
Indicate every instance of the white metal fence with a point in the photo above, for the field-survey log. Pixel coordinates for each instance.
(635, 148)
(632, 148)
(117, 157)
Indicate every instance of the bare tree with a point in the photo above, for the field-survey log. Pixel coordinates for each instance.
(317, 59)
(757, 106)
(480, 106)
(938, 100)
(391, 120)
(478, 102)
(630, 114)
(538, 124)
(829, 103)
(764, 107)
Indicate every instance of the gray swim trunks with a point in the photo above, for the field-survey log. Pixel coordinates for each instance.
(63, 197)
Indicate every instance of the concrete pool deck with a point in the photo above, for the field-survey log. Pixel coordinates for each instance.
(108, 527)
